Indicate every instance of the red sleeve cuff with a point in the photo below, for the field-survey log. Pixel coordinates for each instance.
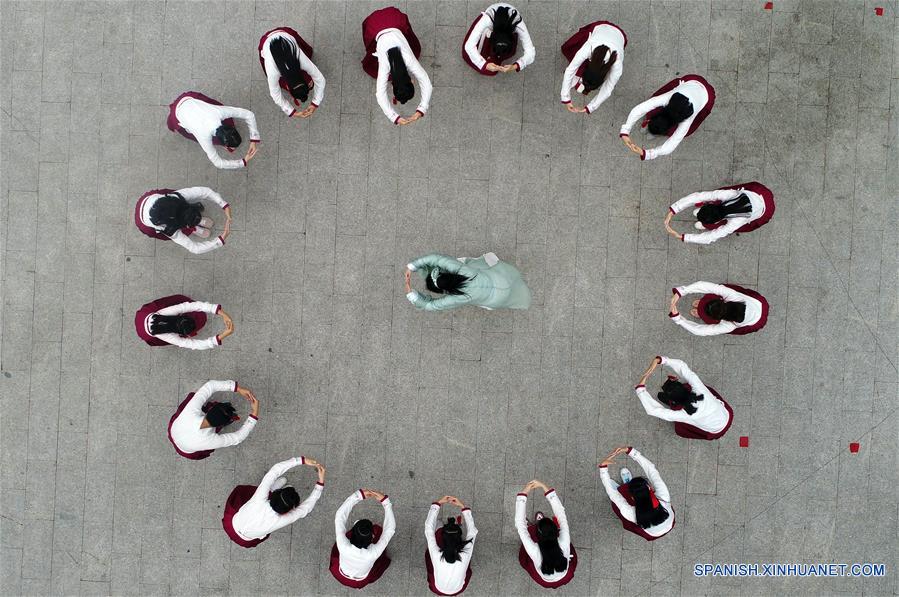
(244, 160)
(218, 340)
(671, 209)
(629, 449)
(587, 109)
(222, 239)
(255, 140)
(254, 417)
(319, 483)
(434, 504)
(642, 156)
(226, 205)
(396, 120)
(566, 101)
(384, 499)
(292, 112)
(549, 491)
(314, 104)
(419, 112)
(676, 291)
(603, 466)
(682, 238)
(517, 67)
(362, 494)
(623, 135)
(218, 309)
(302, 460)
(673, 314)
(639, 385)
(466, 509)
(522, 494)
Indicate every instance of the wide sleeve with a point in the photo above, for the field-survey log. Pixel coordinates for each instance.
(655, 479)
(388, 530)
(471, 42)
(246, 116)
(318, 79)
(612, 491)
(190, 307)
(199, 193)
(660, 411)
(381, 91)
(265, 486)
(424, 83)
(214, 157)
(559, 512)
(471, 531)
(197, 247)
(581, 56)
(207, 390)
(605, 90)
(342, 516)
(224, 440)
(683, 371)
(641, 110)
(521, 525)
(273, 77)
(303, 510)
(191, 343)
(431, 532)
(530, 52)
(700, 197)
(671, 143)
(704, 329)
(448, 264)
(710, 236)
(442, 303)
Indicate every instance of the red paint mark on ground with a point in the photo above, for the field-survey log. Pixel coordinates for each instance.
(769, 5)
(878, 10)
(853, 447)
(744, 441)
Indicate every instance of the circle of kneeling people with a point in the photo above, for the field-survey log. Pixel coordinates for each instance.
(202, 424)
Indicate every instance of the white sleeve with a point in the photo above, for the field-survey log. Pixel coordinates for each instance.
(342, 516)
(471, 531)
(273, 76)
(242, 114)
(424, 83)
(655, 479)
(471, 42)
(710, 236)
(704, 329)
(224, 440)
(692, 199)
(190, 307)
(605, 90)
(203, 193)
(387, 533)
(265, 486)
(559, 512)
(530, 52)
(654, 409)
(196, 247)
(491, 259)
(191, 343)
(303, 510)
(612, 491)
(521, 525)
(214, 157)
(318, 79)
(643, 109)
(683, 371)
(208, 389)
(700, 287)
(381, 91)
(672, 142)
(430, 532)
(581, 56)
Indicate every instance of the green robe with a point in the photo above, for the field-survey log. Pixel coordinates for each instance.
(493, 287)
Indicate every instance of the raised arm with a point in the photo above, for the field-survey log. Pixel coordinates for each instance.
(303, 510)
(471, 531)
(431, 531)
(190, 307)
(224, 440)
(684, 372)
(214, 157)
(605, 90)
(612, 491)
(448, 264)
(273, 77)
(265, 486)
(200, 193)
(641, 110)
(342, 516)
(655, 479)
(710, 236)
(471, 44)
(704, 329)
(388, 530)
(530, 52)
(671, 143)
(207, 390)
(693, 199)
(442, 303)
(654, 409)
(559, 511)
(521, 525)
(424, 82)
(242, 114)
(318, 79)
(194, 246)
(581, 56)
(381, 91)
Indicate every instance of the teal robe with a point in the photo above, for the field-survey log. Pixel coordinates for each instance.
(493, 287)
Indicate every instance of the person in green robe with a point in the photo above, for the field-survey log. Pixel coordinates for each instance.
(485, 282)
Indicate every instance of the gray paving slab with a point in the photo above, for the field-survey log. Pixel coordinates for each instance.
(92, 499)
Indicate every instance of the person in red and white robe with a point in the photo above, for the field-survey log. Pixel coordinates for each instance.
(448, 554)
(546, 552)
(358, 556)
(697, 411)
(493, 39)
(391, 56)
(723, 309)
(643, 505)
(595, 56)
(736, 209)
(175, 320)
(675, 111)
(195, 428)
(202, 119)
(252, 513)
(161, 211)
(290, 72)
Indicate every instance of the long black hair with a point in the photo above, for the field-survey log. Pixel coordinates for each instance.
(219, 414)
(675, 393)
(285, 55)
(502, 40)
(647, 514)
(715, 212)
(447, 283)
(601, 61)
(228, 135)
(453, 543)
(678, 109)
(403, 90)
(284, 500)
(550, 552)
(174, 212)
(362, 533)
(183, 325)
(725, 310)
